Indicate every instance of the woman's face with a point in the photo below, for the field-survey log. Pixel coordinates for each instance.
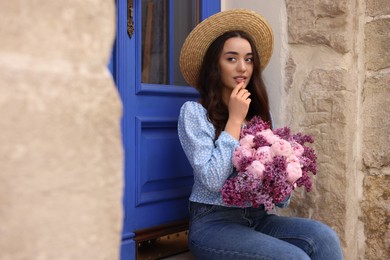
(236, 63)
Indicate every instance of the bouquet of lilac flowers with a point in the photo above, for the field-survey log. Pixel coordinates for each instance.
(269, 164)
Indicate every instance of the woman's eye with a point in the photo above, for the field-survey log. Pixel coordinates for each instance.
(250, 60)
(231, 59)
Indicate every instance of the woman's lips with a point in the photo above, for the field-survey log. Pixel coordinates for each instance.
(240, 79)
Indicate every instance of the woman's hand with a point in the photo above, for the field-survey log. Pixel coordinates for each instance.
(239, 103)
(238, 109)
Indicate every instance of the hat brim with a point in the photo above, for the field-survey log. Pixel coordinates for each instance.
(201, 37)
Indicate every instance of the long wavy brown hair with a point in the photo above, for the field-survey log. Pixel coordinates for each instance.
(210, 85)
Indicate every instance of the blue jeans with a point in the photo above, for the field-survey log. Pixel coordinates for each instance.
(218, 232)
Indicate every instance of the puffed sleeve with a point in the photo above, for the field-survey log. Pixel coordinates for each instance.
(211, 161)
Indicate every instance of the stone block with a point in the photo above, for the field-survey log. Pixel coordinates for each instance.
(376, 121)
(78, 31)
(323, 96)
(376, 216)
(377, 7)
(316, 22)
(61, 166)
(377, 40)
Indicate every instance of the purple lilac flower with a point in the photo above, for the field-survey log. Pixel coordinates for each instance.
(244, 163)
(247, 190)
(231, 195)
(260, 141)
(256, 124)
(283, 132)
(305, 181)
(302, 139)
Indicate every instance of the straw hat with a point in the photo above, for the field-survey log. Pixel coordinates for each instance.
(201, 37)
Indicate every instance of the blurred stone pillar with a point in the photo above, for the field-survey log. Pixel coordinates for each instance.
(60, 145)
(337, 89)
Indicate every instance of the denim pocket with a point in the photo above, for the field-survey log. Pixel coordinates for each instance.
(199, 210)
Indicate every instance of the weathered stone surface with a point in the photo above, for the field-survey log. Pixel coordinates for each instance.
(60, 144)
(317, 22)
(376, 117)
(343, 101)
(376, 216)
(79, 31)
(61, 167)
(377, 44)
(377, 7)
(322, 97)
(290, 71)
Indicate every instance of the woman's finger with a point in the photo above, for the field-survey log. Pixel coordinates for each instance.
(237, 88)
(246, 95)
(243, 92)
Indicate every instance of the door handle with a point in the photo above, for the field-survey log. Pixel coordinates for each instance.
(130, 18)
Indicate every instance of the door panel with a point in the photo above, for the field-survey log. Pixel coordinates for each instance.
(157, 177)
(158, 148)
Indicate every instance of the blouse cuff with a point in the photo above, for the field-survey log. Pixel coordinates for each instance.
(226, 137)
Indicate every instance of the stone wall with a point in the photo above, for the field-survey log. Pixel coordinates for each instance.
(60, 146)
(337, 89)
(376, 130)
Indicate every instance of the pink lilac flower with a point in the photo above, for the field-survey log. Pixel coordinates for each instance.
(269, 136)
(293, 158)
(247, 141)
(269, 165)
(242, 157)
(297, 148)
(263, 154)
(281, 147)
(256, 169)
(294, 172)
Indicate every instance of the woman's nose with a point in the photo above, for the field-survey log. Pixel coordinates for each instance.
(241, 66)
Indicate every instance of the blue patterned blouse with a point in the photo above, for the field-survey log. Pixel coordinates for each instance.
(211, 162)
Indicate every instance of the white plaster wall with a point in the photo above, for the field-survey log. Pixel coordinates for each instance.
(275, 13)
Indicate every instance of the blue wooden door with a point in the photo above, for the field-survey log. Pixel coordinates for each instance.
(157, 176)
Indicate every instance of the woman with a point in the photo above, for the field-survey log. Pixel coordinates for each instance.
(223, 58)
